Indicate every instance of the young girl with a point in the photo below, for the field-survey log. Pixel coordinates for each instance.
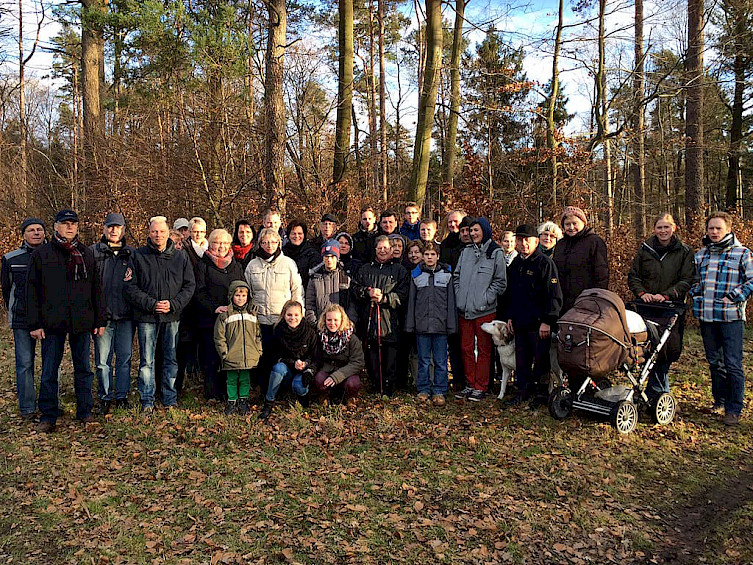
(238, 341)
(342, 355)
(296, 353)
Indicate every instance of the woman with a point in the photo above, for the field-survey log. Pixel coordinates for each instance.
(342, 355)
(216, 269)
(580, 257)
(549, 234)
(415, 253)
(274, 280)
(663, 270)
(295, 353)
(197, 243)
(243, 242)
(329, 284)
(298, 248)
(346, 253)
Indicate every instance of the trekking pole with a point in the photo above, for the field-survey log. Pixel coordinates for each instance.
(379, 345)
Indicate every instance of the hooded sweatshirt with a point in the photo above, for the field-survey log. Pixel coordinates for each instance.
(481, 275)
(236, 334)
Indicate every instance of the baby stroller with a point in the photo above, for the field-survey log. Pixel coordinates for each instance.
(598, 336)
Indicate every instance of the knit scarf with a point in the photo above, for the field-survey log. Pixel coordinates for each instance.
(240, 251)
(220, 262)
(268, 257)
(727, 241)
(333, 343)
(75, 251)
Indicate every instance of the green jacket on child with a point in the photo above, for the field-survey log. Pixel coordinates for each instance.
(236, 334)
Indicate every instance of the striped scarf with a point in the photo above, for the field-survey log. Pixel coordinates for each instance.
(75, 252)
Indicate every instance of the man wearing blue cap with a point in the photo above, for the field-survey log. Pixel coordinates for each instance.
(15, 266)
(64, 298)
(114, 260)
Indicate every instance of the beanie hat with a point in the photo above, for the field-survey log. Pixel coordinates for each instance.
(574, 211)
(30, 222)
(331, 247)
(466, 222)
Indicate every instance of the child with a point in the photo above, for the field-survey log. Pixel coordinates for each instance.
(295, 353)
(238, 341)
(342, 355)
(432, 315)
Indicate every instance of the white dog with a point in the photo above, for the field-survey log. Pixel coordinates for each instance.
(505, 344)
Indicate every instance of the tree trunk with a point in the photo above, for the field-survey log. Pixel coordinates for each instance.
(734, 188)
(22, 190)
(551, 126)
(451, 149)
(371, 81)
(344, 100)
(92, 60)
(639, 154)
(694, 181)
(602, 122)
(274, 106)
(382, 105)
(422, 147)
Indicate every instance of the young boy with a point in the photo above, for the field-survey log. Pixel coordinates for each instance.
(433, 316)
(238, 341)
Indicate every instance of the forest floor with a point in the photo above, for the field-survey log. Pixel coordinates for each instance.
(389, 482)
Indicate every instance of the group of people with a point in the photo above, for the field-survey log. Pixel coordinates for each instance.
(272, 308)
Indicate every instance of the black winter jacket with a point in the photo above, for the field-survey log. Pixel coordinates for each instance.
(115, 272)
(670, 273)
(363, 245)
(160, 275)
(301, 343)
(533, 292)
(328, 287)
(305, 257)
(393, 280)
(15, 266)
(58, 303)
(450, 250)
(581, 262)
(212, 285)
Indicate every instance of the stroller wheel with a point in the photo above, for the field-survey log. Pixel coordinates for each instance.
(663, 409)
(625, 416)
(560, 403)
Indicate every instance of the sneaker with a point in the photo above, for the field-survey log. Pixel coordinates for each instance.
(423, 397)
(476, 395)
(438, 400)
(46, 427)
(242, 408)
(731, 419)
(230, 407)
(463, 394)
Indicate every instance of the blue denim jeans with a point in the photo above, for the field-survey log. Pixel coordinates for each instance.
(149, 333)
(52, 354)
(428, 346)
(282, 375)
(25, 347)
(117, 341)
(658, 379)
(723, 342)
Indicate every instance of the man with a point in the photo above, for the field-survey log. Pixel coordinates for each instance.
(64, 297)
(410, 228)
(363, 238)
(531, 307)
(15, 266)
(480, 278)
(449, 253)
(327, 231)
(114, 260)
(183, 227)
(724, 284)
(388, 222)
(273, 220)
(381, 292)
(163, 284)
(508, 246)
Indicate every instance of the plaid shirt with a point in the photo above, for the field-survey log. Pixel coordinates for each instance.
(725, 270)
